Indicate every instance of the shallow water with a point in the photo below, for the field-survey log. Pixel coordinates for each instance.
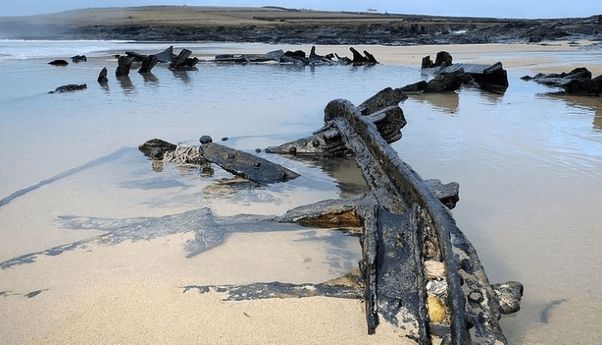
(529, 166)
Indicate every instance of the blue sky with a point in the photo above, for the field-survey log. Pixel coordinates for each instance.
(482, 8)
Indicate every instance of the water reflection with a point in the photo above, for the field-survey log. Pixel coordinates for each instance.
(448, 102)
(150, 78)
(182, 75)
(126, 84)
(492, 97)
(344, 171)
(593, 104)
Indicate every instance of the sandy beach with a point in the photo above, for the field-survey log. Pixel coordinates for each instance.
(132, 292)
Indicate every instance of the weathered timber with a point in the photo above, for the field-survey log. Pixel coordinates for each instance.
(148, 63)
(58, 63)
(79, 58)
(577, 82)
(382, 109)
(164, 56)
(183, 61)
(448, 194)
(246, 165)
(396, 186)
(69, 88)
(343, 60)
(348, 286)
(441, 83)
(315, 59)
(489, 77)
(371, 59)
(124, 63)
(102, 76)
(328, 142)
(359, 59)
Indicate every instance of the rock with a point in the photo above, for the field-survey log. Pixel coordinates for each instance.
(591, 87)
(69, 88)
(509, 295)
(102, 76)
(58, 63)
(79, 58)
(436, 309)
(577, 82)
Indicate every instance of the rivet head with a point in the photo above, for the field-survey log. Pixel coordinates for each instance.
(257, 164)
(231, 155)
(205, 139)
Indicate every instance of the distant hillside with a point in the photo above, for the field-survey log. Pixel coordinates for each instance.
(276, 24)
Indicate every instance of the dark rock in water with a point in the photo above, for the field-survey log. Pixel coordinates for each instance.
(124, 65)
(526, 78)
(258, 150)
(148, 147)
(79, 58)
(224, 138)
(509, 295)
(102, 76)
(58, 63)
(69, 88)
(443, 58)
(147, 64)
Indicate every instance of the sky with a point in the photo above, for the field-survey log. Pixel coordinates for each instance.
(475, 8)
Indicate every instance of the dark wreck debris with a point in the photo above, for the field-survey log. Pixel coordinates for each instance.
(577, 82)
(298, 58)
(102, 76)
(441, 83)
(58, 63)
(509, 295)
(123, 67)
(165, 56)
(239, 163)
(489, 77)
(79, 58)
(443, 58)
(246, 165)
(69, 88)
(148, 63)
(381, 109)
(349, 286)
(183, 62)
(359, 59)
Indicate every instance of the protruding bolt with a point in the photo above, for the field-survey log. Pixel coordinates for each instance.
(257, 165)
(205, 139)
(292, 150)
(475, 297)
(315, 143)
(231, 156)
(257, 150)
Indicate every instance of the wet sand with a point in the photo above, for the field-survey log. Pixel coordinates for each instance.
(132, 292)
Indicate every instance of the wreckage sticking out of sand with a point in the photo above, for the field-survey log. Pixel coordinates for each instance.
(299, 58)
(418, 273)
(577, 82)
(489, 77)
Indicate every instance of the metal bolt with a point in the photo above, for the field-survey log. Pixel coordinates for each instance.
(205, 139)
